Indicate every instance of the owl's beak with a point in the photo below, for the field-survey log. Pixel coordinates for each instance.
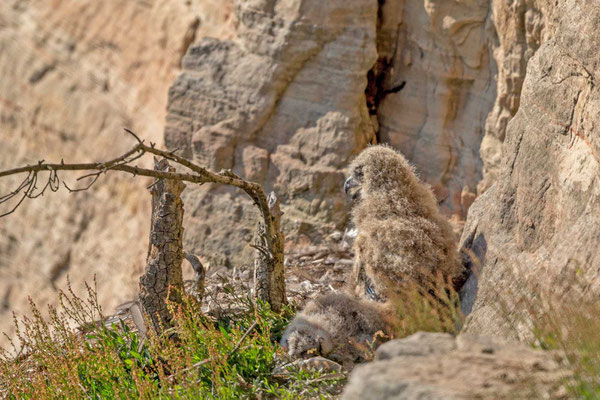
(352, 188)
(349, 184)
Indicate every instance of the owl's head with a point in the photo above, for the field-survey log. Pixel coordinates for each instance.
(379, 169)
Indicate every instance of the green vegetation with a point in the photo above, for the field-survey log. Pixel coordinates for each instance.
(234, 355)
(201, 357)
(229, 357)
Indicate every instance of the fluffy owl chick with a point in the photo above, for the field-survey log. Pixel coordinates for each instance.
(336, 325)
(401, 238)
(401, 234)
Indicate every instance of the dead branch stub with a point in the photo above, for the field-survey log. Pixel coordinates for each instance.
(162, 280)
(197, 287)
(269, 284)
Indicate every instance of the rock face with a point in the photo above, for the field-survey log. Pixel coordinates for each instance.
(463, 64)
(306, 85)
(441, 50)
(520, 27)
(283, 104)
(537, 228)
(439, 366)
(287, 97)
(74, 73)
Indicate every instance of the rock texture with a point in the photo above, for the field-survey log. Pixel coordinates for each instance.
(439, 366)
(283, 104)
(450, 76)
(441, 50)
(73, 73)
(520, 27)
(537, 229)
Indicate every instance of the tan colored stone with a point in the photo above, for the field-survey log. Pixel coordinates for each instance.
(537, 229)
(520, 29)
(439, 366)
(440, 49)
(284, 104)
(256, 163)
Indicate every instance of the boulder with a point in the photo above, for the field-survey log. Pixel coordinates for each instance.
(440, 366)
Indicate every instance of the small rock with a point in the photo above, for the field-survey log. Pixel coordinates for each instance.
(327, 277)
(306, 286)
(330, 260)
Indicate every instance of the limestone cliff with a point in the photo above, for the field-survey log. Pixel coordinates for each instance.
(304, 86)
(283, 104)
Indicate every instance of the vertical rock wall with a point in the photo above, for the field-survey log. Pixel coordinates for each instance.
(520, 27)
(537, 229)
(439, 51)
(283, 104)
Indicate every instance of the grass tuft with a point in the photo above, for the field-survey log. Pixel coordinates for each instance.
(572, 330)
(430, 307)
(562, 319)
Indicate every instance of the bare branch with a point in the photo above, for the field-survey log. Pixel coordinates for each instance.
(269, 243)
(244, 336)
(262, 249)
(83, 188)
(29, 187)
(53, 183)
(23, 184)
(134, 135)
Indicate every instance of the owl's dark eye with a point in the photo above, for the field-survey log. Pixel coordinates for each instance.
(358, 172)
